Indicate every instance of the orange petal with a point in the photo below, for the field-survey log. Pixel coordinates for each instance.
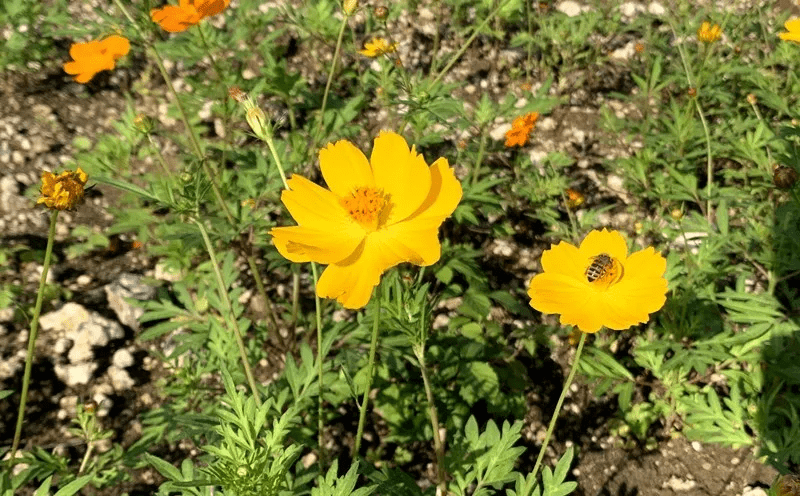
(211, 7)
(610, 242)
(403, 174)
(116, 46)
(345, 168)
(83, 50)
(175, 19)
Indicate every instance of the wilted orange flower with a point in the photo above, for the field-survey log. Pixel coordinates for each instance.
(377, 47)
(598, 284)
(793, 28)
(64, 191)
(177, 18)
(574, 198)
(709, 33)
(94, 56)
(377, 214)
(521, 128)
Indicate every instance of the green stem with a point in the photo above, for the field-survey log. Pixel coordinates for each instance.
(476, 171)
(330, 74)
(230, 317)
(709, 160)
(564, 390)
(362, 414)
(469, 41)
(320, 357)
(89, 448)
(438, 446)
(37, 310)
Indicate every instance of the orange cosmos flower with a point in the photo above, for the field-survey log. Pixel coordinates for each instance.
(64, 191)
(598, 284)
(177, 18)
(377, 47)
(708, 33)
(378, 213)
(94, 56)
(793, 28)
(521, 128)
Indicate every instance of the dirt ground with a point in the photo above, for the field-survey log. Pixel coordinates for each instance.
(42, 116)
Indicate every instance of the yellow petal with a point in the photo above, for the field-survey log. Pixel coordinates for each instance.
(315, 207)
(610, 242)
(417, 246)
(344, 168)
(401, 173)
(302, 244)
(564, 259)
(352, 282)
(587, 316)
(443, 197)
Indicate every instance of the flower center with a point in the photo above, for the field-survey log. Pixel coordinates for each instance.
(365, 206)
(603, 270)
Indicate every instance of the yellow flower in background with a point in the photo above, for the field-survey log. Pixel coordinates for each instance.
(598, 284)
(793, 28)
(378, 213)
(64, 191)
(709, 33)
(377, 47)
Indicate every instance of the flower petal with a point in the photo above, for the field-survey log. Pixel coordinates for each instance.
(577, 302)
(208, 8)
(302, 244)
(344, 167)
(315, 207)
(401, 173)
(564, 258)
(610, 242)
(443, 197)
(352, 282)
(116, 46)
(175, 19)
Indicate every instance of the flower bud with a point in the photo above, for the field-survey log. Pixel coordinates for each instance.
(751, 99)
(143, 123)
(258, 121)
(676, 214)
(692, 92)
(350, 6)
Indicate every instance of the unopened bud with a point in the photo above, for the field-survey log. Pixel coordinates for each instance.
(784, 177)
(350, 6)
(381, 12)
(143, 123)
(692, 92)
(258, 121)
(676, 214)
(751, 99)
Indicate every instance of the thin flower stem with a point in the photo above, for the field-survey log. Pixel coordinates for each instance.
(278, 164)
(330, 74)
(37, 310)
(469, 41)
(230, 317)
(438, 446)
(553, 419)
(89, 449)
(362, 414)
(320, 357)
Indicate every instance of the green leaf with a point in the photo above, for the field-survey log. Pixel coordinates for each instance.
(74, 486)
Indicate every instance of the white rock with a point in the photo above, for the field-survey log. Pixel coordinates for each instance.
(122, 358)
(499, 132)
(697, 446)
(630, 9)
(61, 346)
(753, 491)
(624, 53)
(117, 293)
(678, 485)
(546, 124)
(656, 9)
(570, 8)
(67, 319)
(73, 375)
(165, 273)
(120, 378)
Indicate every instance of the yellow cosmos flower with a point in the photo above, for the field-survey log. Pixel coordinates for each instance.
(793, 28)
(377, 214)
(64, 191)
(598, 284)
(377, 47)
(709, 33)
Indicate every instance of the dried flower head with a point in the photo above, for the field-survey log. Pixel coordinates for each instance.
(751, 99)
(709, 33)
(574, 198)
(62, 192)
(381, 12)
(598, 284)
(784, 177)
(94, 56)
(237, 94)
(377, 47)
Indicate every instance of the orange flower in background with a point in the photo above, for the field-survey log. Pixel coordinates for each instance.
(64, 191)
(378, 213)
(94, 56)
(574, 198)
(377, 47)
(177, 18)
(598, 284)
(793, 28)
(521, 128)
(709, 33)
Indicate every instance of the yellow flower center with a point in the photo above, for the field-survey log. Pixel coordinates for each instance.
(365, 206)
(603, 271)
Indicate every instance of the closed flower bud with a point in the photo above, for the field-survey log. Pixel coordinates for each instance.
(751, 99)
(784, 177)
(143, 123)
(692, 92)
(676, 214)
